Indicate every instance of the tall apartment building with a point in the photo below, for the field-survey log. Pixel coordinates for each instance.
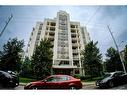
(68, 39)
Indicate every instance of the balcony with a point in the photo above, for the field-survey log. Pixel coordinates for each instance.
(76, 57)
(74, 34)
(72, 26)
(53, 24)
(74, 39)
(76, 46)
(73, 31)
(51, 37)
(51, 33)
(75, 51)
(52, 28)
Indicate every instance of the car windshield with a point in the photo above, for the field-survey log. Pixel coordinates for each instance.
(106, 75)
(6, 74)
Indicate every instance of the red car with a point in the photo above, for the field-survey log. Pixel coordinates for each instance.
(56, 82)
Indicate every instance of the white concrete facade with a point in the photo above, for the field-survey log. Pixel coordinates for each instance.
(68, 39)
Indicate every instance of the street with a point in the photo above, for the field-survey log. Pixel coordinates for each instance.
(89, 87)
(16, 88)
(120, 87)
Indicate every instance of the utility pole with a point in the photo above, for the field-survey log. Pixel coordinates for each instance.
(7, 22)
(117, 49)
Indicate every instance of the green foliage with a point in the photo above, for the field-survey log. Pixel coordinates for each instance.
(87, 78)
(26, 69)
(125, 56)
(92, 60)
(26, 80)
(77, 76)
(42, 59)
(113, 62)
(10, 57)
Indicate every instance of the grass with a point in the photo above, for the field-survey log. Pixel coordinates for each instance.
(25, 80)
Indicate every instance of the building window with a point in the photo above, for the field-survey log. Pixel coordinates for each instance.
(39, 32)
(28, 45)
(72, 26)
(31, 33)
(46, 28)
(53, 24)
(47, 23)
(40, 27)
(52, 29)
(73, 36)
(73, 31)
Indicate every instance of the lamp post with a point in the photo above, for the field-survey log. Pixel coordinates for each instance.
(121, 59)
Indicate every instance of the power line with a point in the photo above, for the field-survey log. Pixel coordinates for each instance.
(7, 22)
(93, 15)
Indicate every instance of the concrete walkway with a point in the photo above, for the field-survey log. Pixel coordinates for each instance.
(88, 83)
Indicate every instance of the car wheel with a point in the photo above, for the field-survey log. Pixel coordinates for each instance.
(72, 88)
(111, 84)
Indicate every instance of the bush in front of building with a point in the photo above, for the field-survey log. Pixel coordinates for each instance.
(77, 76)
(82, 77)
(86, 78)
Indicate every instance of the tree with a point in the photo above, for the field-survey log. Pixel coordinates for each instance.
(42, 59)
(26, 69)
(10, 57)
(125, 56)
(113, 62)
(92, 60)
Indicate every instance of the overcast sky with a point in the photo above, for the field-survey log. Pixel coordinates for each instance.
(95, 18)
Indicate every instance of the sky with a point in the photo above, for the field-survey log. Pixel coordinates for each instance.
(95, 18)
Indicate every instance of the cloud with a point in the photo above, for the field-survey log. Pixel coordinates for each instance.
(25, 17)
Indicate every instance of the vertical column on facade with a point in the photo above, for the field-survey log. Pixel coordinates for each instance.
(81, 44)
(70, 43)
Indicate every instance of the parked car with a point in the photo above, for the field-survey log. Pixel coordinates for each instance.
(15, 77)
(56, 82)
(110, 80)
(8, 79)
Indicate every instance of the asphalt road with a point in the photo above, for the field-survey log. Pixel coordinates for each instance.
(91, 87)
(123, 87)
(16, 88)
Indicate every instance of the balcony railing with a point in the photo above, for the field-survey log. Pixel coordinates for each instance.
(74, 39)
(75, 51)
(75, 57)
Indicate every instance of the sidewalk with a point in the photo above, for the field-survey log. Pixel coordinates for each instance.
(88, 83)
(22, 84)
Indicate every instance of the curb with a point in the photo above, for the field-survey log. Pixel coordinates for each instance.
(88, 84)
(22, 84)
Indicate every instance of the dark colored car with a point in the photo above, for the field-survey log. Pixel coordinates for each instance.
(112, 79)
(56, 82)
(8, 79)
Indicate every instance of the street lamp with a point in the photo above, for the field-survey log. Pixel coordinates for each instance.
(121, 59)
